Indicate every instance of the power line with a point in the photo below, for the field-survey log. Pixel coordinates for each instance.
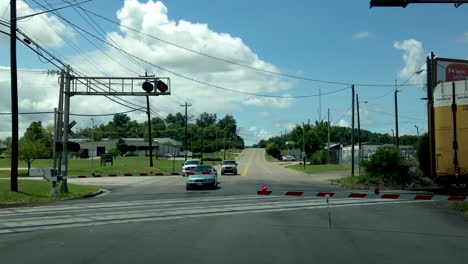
(48, 112)
(228, 61)
(190, 78)
(390, 114)
(52, 10)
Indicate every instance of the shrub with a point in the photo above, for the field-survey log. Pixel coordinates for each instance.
(273, 150)
(318, 158)
(114, 152)
(388, 165)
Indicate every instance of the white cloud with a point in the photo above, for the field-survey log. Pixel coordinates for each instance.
(252, 128)
(270, 102)
(414, 59)
(39, 27)
(342, 123)
(464, 37)
(264, 134)
(153, 18)
(363, 35)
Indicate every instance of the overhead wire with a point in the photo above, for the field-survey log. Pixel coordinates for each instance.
(190, 78)
(51, 112)
(228, 61)
(101, 50)
(63, 65)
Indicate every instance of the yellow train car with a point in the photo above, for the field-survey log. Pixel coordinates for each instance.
(451, 132)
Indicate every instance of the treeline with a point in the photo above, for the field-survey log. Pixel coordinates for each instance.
(204, 131)
(316, 136)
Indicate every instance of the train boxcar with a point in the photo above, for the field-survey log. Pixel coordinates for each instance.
(451, 131)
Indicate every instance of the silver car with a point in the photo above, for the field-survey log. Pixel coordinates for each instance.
(189, 165)
(202, 176)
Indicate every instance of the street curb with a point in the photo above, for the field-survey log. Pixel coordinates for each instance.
(91, 195)
(101, 191)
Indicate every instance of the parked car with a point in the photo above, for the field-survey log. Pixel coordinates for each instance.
(289, 158)
(189, 165)
(3, 156)
(202, 176)
(168, 155)
(229, 166)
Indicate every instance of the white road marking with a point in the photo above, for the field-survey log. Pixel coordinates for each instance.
(77, 215)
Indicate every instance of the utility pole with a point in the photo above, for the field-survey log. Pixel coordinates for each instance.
(352, 131)
(150, 137)
(359, 134)
(417, 130)
(59, 128)
(201, 145)
(14, 100)
(92, 145)
(216, 135)
(396, 115)
(224, 145)
(303, 145)
(66, 129)
(53, 191)
(328, 141)
(191, 140)
(186, 126)
(320, 104)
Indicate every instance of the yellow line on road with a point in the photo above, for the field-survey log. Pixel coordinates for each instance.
(246, 170)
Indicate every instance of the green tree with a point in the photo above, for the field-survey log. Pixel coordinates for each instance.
(120, 120)
(30, 150)
(121, 146)
(205, 120)
(36, 133)
(273, 150)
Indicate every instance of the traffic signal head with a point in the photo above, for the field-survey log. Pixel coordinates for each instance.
(147, 86)
(389, 3)
(161, 86)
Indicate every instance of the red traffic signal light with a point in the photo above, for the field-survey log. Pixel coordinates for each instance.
(147, 86)
(161, 86)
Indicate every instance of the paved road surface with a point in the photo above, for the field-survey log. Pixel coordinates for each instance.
(154, 220)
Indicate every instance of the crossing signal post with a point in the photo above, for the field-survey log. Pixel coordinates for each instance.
(405, 3)
(86, 85)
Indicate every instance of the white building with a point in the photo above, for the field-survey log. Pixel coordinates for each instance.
(136, 146)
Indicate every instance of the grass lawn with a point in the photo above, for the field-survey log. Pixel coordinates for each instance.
(319, 168)
(31, 191)
(462, 207)
(121, 165)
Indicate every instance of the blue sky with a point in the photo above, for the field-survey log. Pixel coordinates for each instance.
(341, 41)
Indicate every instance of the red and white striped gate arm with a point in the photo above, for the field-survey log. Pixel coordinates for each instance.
(363, 195)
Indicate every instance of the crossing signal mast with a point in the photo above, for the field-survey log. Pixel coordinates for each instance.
(84, 85)
(405, 3)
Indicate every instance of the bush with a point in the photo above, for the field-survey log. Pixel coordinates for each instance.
(388, 165)
(114, 153)
(318, 158)
(273, 150)
(130, 154)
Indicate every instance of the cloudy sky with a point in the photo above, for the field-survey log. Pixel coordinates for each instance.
(333, 41)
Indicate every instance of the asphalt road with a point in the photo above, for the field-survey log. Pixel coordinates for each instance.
(155, 220)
